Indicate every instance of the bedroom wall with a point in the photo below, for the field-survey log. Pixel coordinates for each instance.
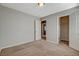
(53, 28)
(74, 30)
(15, 27)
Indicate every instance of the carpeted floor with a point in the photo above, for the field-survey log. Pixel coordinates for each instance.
(39, 48)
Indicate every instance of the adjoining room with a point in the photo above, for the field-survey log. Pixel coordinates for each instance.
(64, 30)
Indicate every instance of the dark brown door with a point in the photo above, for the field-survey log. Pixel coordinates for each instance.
(43, 29)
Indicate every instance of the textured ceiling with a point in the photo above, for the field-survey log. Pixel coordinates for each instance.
(33, 9)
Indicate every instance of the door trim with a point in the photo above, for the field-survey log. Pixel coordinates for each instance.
(58, 28)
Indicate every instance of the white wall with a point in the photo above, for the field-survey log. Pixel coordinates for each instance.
(53, 28)
(38, 29)
(74, 30)
(15, 27)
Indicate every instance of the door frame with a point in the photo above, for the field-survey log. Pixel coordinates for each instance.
(58, 28)
(37, 30)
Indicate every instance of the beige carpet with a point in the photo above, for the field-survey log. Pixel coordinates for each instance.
(39, 48)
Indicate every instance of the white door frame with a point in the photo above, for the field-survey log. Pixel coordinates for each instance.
(58, 28)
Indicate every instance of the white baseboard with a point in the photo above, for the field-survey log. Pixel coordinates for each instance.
(38, 39)
(74, 48)
(16, 44)
(52, 41)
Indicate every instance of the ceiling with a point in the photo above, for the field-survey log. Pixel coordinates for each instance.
(33, 9)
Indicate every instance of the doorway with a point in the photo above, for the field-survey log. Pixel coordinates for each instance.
(64, 30)
(43, 29)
